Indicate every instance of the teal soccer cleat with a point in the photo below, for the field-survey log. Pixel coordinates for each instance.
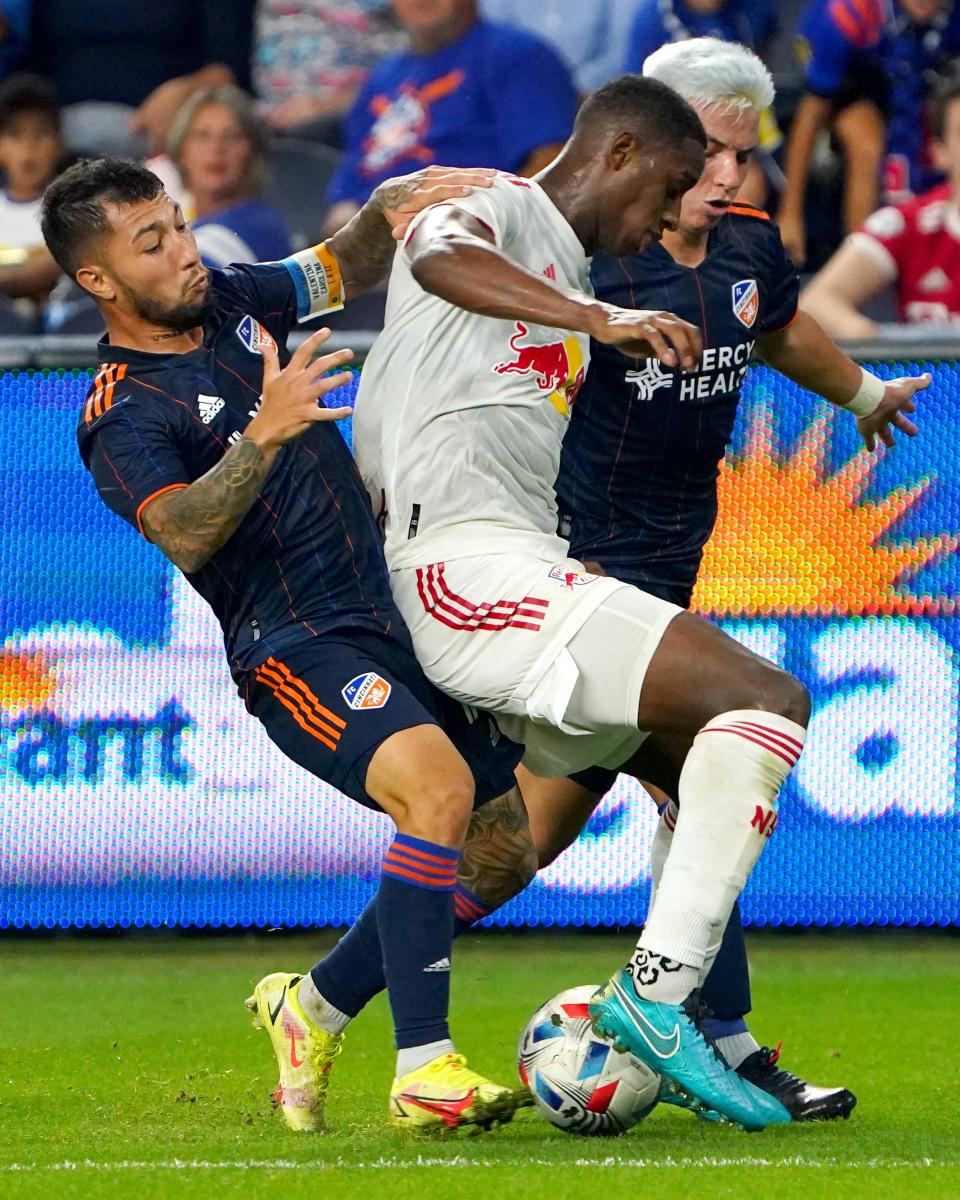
(664, 1037)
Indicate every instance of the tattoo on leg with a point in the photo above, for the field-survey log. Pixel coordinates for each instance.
(499, 858)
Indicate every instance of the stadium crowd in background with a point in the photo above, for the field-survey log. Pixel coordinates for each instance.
(345, 94)
(466, 91)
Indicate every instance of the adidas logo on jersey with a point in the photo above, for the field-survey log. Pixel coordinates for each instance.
(442, 964)
(209, 407)
(934, 281)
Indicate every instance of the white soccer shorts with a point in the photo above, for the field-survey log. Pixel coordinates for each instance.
(557, 654)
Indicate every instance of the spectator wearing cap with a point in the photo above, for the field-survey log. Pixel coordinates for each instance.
(468, 92)
(913, 247)
(219, 144)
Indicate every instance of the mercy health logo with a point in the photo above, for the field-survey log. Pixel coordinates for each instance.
(746, 301)
(254, 335)
(366, 691)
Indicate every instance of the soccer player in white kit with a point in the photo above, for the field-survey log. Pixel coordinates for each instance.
(462, 407)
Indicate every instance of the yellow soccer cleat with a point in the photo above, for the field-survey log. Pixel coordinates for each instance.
(304, 1051)
(445, 1094)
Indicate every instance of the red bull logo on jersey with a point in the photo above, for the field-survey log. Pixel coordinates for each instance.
(569, 579)
(366, 691)
(746, 301)
(254, 336)
(558, 367)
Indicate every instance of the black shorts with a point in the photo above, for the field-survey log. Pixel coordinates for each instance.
(331, 702)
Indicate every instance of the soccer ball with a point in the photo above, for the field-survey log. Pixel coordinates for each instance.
(577, 1080)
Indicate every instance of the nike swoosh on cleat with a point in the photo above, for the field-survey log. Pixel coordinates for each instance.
(447, 1110)
(664, 1046)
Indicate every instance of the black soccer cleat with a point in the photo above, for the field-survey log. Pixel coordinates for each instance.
(802, 1100)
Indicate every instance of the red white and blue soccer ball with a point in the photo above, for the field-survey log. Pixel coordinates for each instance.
(577, 1080)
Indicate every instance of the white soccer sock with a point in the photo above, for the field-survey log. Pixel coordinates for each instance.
(728, 791)
(318, 1009)
(413, 1057)
(659, 849)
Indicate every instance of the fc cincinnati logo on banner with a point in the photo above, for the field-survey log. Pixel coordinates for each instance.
(254, 336)
(366, 691)
(746, 301)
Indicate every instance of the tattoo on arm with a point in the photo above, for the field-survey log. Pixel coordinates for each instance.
(191, 524)
(364, 247)
(499, 858)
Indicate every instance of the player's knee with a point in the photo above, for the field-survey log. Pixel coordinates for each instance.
(781, 693)
(441, 812)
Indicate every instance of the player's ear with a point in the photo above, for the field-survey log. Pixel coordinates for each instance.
(623, 150)
(93, 279)
(938, 155)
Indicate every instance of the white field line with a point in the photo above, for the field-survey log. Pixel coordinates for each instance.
(459, 1162)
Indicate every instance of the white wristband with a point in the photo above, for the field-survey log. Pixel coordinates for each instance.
(868, 397)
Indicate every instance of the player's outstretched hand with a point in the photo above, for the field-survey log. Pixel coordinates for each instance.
(400, 199)
(647, 334)
(889, 414)
(290, 401)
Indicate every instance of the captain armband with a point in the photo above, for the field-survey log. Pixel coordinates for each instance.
(867, 399)
(316, 276)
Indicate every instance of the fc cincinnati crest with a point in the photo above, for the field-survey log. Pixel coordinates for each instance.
(366, 691)
(254, 336)
(746, 301)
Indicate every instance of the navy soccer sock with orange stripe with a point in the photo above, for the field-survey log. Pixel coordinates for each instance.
(415, 920)
(352, 973)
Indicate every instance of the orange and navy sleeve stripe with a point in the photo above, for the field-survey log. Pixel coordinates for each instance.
(171, 487)
(423, 864)
(300, 702)
(101, 393)
(740, 208)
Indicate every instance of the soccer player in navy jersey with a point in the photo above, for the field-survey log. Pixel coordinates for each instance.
(211, 440)
(637, 487)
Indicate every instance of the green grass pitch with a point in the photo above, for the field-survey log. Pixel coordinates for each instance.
(128, 1068)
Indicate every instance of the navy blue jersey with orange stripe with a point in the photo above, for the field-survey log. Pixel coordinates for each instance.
(306, 559)
(638, 472)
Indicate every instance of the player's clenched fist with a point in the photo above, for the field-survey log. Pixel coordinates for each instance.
(647, 334)
(290, 401)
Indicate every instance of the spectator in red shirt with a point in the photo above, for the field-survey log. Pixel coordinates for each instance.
(914, 246)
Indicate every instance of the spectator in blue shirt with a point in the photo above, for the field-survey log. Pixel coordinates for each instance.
(660, 21)
(870, 66)
(467, 93)
(219, 145)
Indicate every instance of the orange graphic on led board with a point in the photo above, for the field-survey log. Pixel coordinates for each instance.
(26, 682)
(792, 538)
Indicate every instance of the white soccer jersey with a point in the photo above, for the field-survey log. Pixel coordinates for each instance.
(459, 417)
